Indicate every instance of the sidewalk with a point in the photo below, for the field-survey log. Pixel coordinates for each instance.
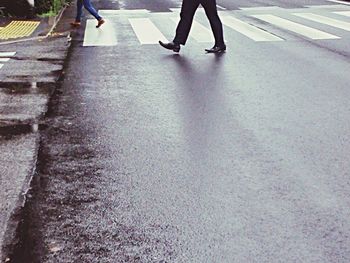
(31, 63)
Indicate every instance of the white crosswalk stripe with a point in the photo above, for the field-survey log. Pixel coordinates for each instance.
(221, 7)
(295, 27)
(325, 20)
(327, 6)
(146, 31)
(260, 8)
(105, 36)
(343, 13)
(5, 57)
(340, 2)
(108, 13)
(248, 30)
(7, 54)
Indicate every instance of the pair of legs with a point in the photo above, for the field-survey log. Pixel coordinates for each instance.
(188, 11)
(88, 6)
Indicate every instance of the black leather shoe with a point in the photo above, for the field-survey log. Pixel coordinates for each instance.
(216, 49)
(171, 45)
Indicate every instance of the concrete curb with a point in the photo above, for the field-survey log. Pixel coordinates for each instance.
(55, 22)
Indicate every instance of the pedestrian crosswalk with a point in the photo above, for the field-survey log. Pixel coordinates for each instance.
(325, 20)
(248, 30)
(258, 25)
(296, 27)
(343, 13)
(5, 57)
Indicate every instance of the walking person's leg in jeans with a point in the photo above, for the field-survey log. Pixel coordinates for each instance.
(214, 20)
(88, 6)
(79, 10)
(79, 13)
(188, 9)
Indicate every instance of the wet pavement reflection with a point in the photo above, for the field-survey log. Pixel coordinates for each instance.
(10, 124)
(22, 88)
(7, 132)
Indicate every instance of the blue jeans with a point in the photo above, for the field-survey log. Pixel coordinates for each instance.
(88, 6)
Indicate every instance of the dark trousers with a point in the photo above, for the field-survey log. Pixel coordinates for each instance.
(188, 10)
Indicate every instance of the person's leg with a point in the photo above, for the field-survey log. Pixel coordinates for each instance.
(88, 6)
(76, 22)
(188, 10)
(79, 10)
(215, 22)
(92, 10)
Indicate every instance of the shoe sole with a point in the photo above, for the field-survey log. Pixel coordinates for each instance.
(220, 51)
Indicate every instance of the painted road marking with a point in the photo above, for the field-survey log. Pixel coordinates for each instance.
(339, 2)
(260, 8)
(7, 54)
(18, 29)
(326, 6)
(221, 7)
(248, 30)
(343, 13)
(146, 31)
(175, 10)
(295, 27)
(107, 12)
(200, 10)
(199, 32)
(103, 36)
(325, 20)
(5, 57)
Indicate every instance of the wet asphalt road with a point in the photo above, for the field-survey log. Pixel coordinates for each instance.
(157, 157)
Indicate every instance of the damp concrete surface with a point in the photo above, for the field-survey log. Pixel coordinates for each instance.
(35, 61)
(27, 81)
(22, 105)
